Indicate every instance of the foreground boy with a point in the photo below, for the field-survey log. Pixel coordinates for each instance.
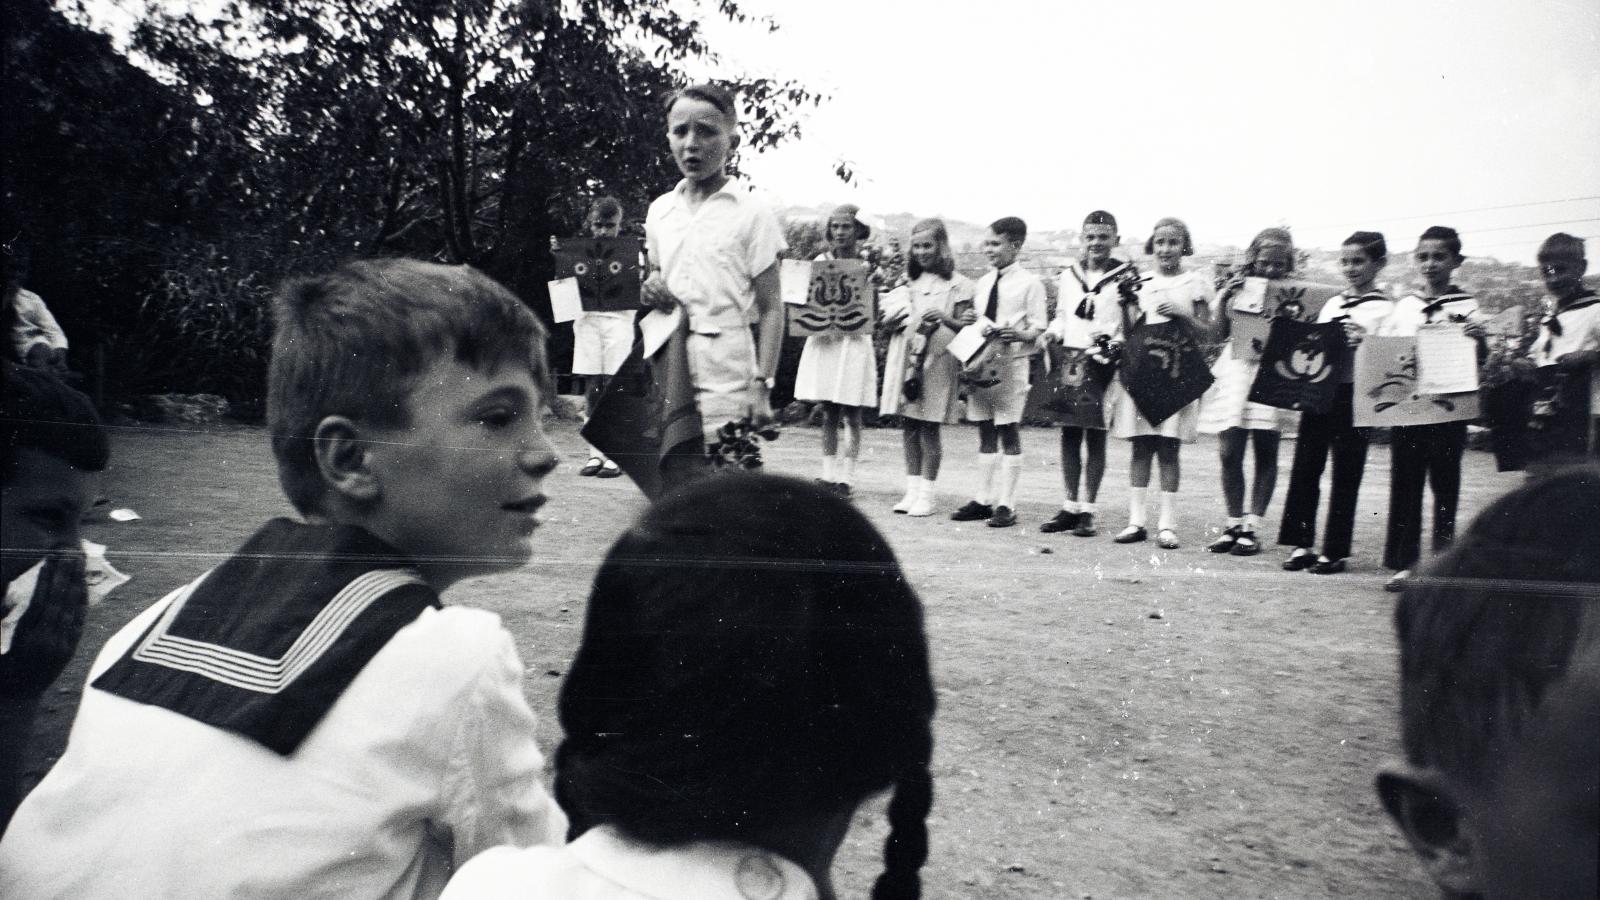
(1499, 692)
(307, 720)
(51, 443)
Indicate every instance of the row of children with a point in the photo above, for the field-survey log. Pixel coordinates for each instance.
(308, 719)
(1102, 300)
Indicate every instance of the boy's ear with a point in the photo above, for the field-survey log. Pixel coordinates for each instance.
(1425, 807)
(343, 459)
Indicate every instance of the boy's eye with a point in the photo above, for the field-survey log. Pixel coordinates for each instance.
(497, 418)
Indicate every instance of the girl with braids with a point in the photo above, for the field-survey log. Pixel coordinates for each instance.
(753, 668)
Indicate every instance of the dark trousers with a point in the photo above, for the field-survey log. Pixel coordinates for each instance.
(1421, 454)
(1320, 435)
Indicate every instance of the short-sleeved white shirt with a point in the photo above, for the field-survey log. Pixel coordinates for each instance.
(603, 864)
(425, 760)
(710, 256)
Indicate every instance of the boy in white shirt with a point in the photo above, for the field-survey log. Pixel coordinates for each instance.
(1014, 300)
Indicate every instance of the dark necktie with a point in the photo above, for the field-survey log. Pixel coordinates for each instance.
(993, 308)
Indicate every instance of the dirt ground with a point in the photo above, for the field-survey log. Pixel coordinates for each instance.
(1114, 721)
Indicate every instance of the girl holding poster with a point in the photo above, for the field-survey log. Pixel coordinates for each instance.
(1361, 309)
(1227, 410)
(1427, 453)
(1175, 294)
(839, 371)
(920, 376)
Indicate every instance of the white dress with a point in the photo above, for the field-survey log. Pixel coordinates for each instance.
(837, 368)
(1183, 290)
(941, 396)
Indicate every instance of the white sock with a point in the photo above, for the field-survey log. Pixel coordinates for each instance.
(827, 468)
(1070, 506)
(986, 466)
(1136, 506)
(1234, 521)
(846, 469)
(1252, 522)
(1010, 474)
(913, 484)
(1087, 508)
(1169, 510)
(928, 488)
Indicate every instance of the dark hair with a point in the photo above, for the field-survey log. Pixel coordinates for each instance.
(714, 94)
(1169, 222)
(1101, 217)
(1278, 236)
(1451, 239)
(946, 266)
(1371, 243)
(751, 653)
(1561, 244)
(605, 206)
(352, 342)
(1011, 228)
(1495, 621)
(38, 411)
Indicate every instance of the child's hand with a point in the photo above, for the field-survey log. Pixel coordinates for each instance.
(655, 293)
(1352, 333)
(760, 404)
(967, 317)
(932, 316)
(1172, 310)
(1004, 333)
(1050, 337)
(1474, 330)
(49, 629)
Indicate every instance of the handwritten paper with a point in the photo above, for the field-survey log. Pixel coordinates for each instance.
(1447, 360)
(1386, 392)
(794, 281)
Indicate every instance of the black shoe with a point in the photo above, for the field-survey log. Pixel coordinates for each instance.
(1003, 517)
(1246, 545)
(972, 512)
(1063, 521)
(1133, 534)
(1328, 567)
(1397, 583)
(1085, 526)
(1297, 563)
(1225, 543)
(841, 489)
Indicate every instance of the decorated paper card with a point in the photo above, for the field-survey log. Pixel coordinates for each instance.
(970, 339)
(1248, 332)
(565, 299)
(1074, 392)
(606, 270)
(1447, 360)
(1299, 366)
(1505, 329)
(838, 300)
(1163, 369)
(1386, 392)
(1251, 298)
(1295, 299)
(794, 281)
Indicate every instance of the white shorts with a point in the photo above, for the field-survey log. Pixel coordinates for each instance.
(600, 342)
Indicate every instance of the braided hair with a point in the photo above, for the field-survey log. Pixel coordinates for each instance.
(752, 655)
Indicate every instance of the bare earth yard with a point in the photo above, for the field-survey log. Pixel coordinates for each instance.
(1114, 721)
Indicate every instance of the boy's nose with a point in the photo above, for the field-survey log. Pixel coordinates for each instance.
(540, 459)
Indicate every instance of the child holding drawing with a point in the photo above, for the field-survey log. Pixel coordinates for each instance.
(1172, 293)
(1427, 453)
(840, 371)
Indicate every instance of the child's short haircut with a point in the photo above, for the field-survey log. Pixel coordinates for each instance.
(1169, 222)
(1275, 236)
(605, 206)
(1496, 620)
(1011, 228)
(752, 653)
(1561, 246)
(946, 264)
(714, 94)
(1451, 239)
(38, 411)
(351, 343)
(1101, 217)
(1370, 242)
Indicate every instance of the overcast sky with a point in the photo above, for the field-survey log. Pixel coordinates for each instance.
(1231, 114)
